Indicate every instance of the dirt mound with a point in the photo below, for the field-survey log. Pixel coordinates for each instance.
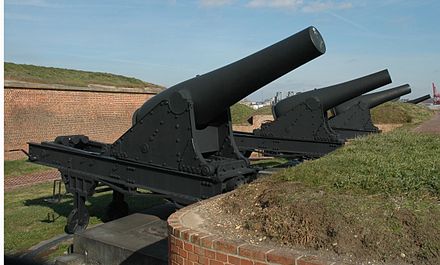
(354, 229)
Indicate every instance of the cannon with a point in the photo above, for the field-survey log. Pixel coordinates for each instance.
(352, 118)
(419, 99)
(180, 146)
(300, 128)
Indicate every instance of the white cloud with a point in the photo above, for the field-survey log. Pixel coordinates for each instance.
(215, 3)
(293, 4)
(35, 3)
(302, 5)
(319, 6)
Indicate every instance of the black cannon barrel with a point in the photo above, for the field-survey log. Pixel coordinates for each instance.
(212, 93)
(334, 95)
(419, 99)
(374, 99)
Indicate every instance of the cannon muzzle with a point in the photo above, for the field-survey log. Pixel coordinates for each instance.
(334, 95)
(214, 92)
(419, 99)
(374, 99)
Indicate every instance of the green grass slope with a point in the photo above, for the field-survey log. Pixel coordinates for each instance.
(399, 112)
(401, 163)
(241, 113)
(52, 75)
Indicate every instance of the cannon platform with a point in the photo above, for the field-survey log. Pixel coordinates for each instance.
(139, 238)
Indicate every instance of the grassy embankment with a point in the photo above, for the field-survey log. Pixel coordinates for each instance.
(402, 113)
(240, 113)
(373, 200)
(52, 75)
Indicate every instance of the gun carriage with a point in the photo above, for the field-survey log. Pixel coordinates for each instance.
(353, 118)
(300, 128)
(180, 145)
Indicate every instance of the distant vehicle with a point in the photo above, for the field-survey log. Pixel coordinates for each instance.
(435, 95)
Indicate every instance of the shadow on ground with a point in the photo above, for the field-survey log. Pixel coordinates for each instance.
(97, 205)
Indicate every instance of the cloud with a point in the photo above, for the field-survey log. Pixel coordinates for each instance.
(348, 21)
(214, 3)
(293, 4)
(34, 3)
(302, 5)
(319, 6)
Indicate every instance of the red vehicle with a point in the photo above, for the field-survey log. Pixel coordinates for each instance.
(435, 95)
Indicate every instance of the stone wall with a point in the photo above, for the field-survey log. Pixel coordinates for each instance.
(38, 112)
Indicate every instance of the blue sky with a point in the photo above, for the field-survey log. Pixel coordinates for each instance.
(166, 42)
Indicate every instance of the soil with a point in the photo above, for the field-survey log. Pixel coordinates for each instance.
(388, 127)
(347, 228)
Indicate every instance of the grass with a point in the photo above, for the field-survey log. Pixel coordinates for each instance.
(15, 168)
(26, 221)
(399, 112)
(273, 162)
(58, 251)
(397, 163)
(52, 75)
(240, 113)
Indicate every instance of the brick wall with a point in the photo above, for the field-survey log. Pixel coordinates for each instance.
(191, 246)
(35, 113)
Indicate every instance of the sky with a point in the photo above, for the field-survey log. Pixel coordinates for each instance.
(168, 41)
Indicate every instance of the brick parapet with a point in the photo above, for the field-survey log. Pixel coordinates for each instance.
(44, 112)
(192, 246)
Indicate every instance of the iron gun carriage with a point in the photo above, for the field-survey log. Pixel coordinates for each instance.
(353, 118)
(300, 128)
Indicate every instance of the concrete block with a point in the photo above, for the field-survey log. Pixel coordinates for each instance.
(134, 239)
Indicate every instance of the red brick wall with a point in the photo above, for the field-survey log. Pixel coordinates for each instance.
(191, 247)
(42, 114)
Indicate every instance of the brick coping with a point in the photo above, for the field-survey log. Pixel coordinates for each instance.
(189, 245)
(14, 84)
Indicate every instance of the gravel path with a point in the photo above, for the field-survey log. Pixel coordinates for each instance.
(431, 126)
(30, 179)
